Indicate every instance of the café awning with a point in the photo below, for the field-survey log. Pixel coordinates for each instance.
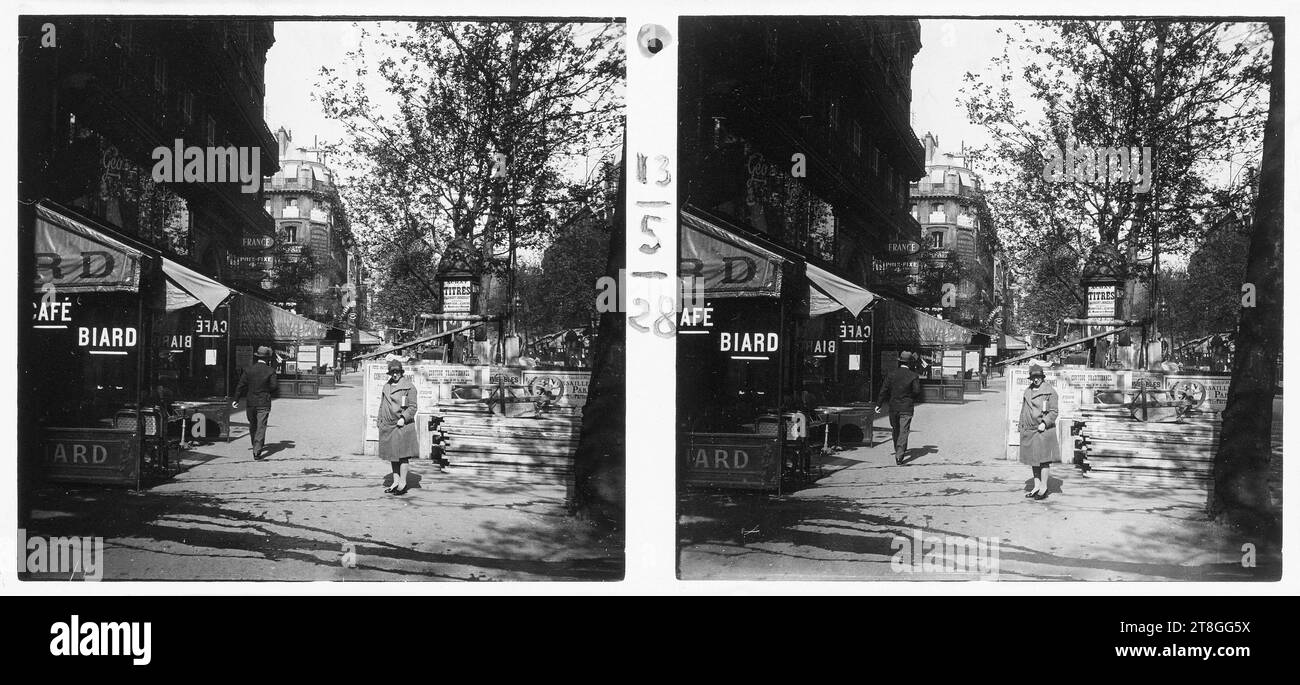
(829, 293)
(258, 320)
(74, 255)
(724, 263)
(187, 287)
(900, 325)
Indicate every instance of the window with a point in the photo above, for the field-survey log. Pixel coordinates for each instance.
(936, 240)
(267, 206)
(936, 208)
(293, 202)
(291, 233)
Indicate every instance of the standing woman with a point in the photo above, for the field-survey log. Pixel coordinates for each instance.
(398, 439)
(1038, 444)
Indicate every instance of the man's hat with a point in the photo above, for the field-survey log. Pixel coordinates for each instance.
(1036, 370)
(264, 352)
(904, 356)
(394, 365)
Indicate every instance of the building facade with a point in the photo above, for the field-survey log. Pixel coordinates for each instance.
(797, 128)
(959, 241)
(98, 97)
(311, 228)
(795, 154)
(142, 148)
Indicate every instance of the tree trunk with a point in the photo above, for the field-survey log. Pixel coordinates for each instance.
(599, 464)
(496, 207)
(1239, 493)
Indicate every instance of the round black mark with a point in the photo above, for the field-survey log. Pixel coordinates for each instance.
(652, 39)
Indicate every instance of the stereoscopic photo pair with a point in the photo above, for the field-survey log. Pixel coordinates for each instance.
(957, 299)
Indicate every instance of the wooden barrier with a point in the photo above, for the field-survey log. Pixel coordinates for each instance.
(521, 448)
(943, 392)
(531, 436)
(1124, 449)
(103, 456)
(733, 460)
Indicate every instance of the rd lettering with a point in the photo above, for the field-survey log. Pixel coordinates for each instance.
(748, 342)
(94, 336)
(722, 459)
(80, 454)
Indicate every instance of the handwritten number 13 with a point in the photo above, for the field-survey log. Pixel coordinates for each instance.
(665, 176)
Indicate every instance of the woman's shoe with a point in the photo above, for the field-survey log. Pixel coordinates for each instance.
(1041, 496)
(1031, 493)
(398, 491)
(390, 488)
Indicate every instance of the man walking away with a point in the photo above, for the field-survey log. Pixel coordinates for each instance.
(901, 389)
(259, 384)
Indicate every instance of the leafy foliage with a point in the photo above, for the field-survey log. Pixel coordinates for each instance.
(1193, 92)
(421, 152)
(1205, 297)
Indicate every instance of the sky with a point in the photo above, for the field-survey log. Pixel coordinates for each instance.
(292, 67)
(949, 49)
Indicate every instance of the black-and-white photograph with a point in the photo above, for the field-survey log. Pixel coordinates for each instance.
(316, 300)
(980, 299)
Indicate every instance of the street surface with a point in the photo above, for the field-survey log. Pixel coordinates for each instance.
(315, 509)
(955, 483)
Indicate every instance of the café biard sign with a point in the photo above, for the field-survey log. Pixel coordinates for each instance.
(700, 320)
(53, 314)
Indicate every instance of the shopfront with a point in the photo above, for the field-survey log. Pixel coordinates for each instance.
(306, 351)
(192, 354)
(84, 369)
(760, 354)
(950, 357)
(734, 358)
(129, 355)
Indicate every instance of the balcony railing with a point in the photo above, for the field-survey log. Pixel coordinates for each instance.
(280, 183)
(926, 187)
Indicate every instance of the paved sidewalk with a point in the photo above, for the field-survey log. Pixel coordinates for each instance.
(314, 509)
(851, 523)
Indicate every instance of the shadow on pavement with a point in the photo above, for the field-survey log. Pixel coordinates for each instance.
(271, 448)
(716, 529)
(192, 534)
